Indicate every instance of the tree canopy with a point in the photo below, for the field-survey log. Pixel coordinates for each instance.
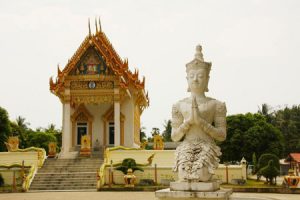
(249, 133)
(5, 128)
(167, 132)
(287, 120)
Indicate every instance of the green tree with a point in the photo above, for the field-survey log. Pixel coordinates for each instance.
(287, 120)
(20, 129)
(40, 139)
(254, 162)
(143, 136)
(264, 160)
(167, 132)
(267, 111)
(51, 129)
(155, 131)
(21, 122)
(248, 133)
(268, 166)
(5, 128)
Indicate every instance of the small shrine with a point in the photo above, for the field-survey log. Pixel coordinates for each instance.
(101, 97)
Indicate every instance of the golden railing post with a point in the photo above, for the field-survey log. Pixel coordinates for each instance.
(155, 173)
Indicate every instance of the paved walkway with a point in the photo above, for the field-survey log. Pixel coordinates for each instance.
(121, 196)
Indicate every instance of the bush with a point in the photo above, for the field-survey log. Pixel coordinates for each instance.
(40, 139)
(128, 163)
(1, 180)
(264, 160)
(269, 172)
(264, 166)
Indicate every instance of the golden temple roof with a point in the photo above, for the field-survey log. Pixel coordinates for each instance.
(119, 66)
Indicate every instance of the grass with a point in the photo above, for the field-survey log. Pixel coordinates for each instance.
(8, 188)
(251, 184)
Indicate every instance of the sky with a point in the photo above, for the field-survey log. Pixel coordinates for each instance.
(254, 47)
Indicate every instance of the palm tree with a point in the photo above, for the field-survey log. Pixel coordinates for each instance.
(268, 112)
(21, 123)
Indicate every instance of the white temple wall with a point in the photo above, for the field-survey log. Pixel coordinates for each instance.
(98, 111)
(127, 108)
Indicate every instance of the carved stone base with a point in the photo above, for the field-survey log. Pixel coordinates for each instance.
(167, 194)
(195, 186)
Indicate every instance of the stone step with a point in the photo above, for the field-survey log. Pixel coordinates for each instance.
(72, 166)
(78, 174)
(92, 168)
(73, 163)
(67, 174)
(67, 170)
(70, 175)
(62, 187)
(63, 179)
(65, 184)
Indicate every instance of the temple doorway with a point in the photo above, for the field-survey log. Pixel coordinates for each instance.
(111, 131)
(81, 130)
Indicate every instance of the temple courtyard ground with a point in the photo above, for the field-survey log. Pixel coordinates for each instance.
(121, 196)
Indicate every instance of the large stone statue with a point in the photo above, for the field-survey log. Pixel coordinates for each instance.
(198, 121)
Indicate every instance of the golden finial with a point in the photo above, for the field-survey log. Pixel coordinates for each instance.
(96, 25)
(58, 70)
(90, 34)
(100, 25)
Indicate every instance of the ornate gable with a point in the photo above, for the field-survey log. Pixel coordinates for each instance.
(91, 63)
(96, 60)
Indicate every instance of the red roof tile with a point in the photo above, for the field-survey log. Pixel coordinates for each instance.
(295, 156)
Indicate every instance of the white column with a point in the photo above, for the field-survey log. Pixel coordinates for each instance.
(66, 132)
(117, 123)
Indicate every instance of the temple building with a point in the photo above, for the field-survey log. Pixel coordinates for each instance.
(100, 96)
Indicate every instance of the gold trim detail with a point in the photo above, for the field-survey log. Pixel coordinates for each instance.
(79, 85)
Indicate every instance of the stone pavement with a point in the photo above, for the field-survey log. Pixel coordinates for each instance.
(120, 196)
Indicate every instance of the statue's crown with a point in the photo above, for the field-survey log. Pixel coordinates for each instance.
(198, 62)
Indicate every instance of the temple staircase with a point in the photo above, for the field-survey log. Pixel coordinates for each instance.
(67, 174)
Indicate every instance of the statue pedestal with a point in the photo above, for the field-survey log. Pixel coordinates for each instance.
(195, 186)
(195, 190)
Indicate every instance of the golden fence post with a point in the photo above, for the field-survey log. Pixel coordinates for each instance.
(14, 188)
(155, 173)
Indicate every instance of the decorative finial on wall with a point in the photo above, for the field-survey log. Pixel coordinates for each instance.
(96, 25)
(100, 25)
(90, 34)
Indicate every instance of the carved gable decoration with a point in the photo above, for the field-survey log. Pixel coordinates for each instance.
(82, 114)
(109, 115)
(94, 63)
(81, 117)
(91, 63)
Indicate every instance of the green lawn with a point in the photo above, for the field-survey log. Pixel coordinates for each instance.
(9, 189)
(251, 184)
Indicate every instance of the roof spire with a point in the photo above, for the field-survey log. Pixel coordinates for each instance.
(100, 25)
(90, 34)
(96, 25)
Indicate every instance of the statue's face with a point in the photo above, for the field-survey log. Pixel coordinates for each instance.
(197, 80)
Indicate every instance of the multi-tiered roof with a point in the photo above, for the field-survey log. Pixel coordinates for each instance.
(118, 66)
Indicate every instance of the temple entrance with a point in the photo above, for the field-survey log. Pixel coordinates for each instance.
(111, 131)
(81, 130)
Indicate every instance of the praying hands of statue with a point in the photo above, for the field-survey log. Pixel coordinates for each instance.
(195, 118)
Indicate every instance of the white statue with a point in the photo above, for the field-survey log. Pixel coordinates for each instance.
(198, 121)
